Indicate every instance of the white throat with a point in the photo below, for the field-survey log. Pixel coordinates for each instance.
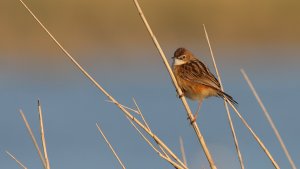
(178, 62)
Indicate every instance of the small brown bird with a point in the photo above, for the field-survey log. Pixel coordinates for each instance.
(195, 79)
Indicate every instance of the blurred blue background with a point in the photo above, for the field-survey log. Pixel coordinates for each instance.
(110, 41)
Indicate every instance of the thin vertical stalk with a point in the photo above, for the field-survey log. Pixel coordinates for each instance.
(33, 139)
(236, 143)
(141, 114)
(43, 135)
(164, 156)
(146, 124)
(182, 151)
(17, 161)
(254, 135)
(269, 118)
(110, 146)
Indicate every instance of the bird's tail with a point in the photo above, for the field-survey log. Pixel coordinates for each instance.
(227, 96)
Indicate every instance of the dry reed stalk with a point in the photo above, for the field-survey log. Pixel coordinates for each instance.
(188, 110)
(128, 108)
(146, 124)
(158, 140)
(110, 146)
(43, 135)
(236, 143)
(244, 121)
(17, 161)
(267, 115)
(164, 156)
(33, 139)
(172, 162)
(182, 151)
(254, 135)
(141, 114)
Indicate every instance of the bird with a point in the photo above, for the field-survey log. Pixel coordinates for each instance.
(195, 79)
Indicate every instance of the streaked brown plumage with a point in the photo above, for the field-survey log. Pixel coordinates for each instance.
(195, 79)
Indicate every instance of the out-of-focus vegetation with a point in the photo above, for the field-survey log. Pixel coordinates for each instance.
(108, 23)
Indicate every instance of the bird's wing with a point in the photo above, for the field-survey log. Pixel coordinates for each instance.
(195, 71)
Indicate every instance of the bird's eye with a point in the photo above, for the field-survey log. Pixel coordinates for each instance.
(183, 56)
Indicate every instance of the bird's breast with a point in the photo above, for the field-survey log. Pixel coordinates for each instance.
(193, 90)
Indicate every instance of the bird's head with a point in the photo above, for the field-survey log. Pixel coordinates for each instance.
(182, 56)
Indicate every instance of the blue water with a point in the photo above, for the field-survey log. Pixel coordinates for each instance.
(72, 106)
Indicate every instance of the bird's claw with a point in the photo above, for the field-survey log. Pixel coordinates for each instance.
(180, 95)
(192, 120)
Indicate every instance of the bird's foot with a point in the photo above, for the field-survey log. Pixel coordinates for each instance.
(180, 95)
(192, 120)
